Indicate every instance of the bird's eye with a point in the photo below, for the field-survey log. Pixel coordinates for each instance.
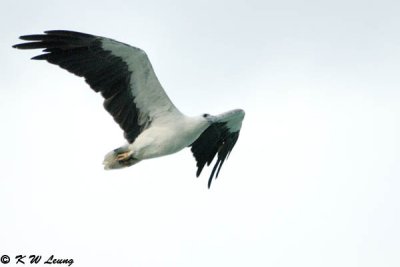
(205, 115)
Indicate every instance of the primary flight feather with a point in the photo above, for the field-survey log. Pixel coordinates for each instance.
(134, 97)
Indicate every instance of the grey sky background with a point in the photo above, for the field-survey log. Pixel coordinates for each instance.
(312, 181)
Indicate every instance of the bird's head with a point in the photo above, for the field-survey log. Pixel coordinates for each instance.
(208, 117)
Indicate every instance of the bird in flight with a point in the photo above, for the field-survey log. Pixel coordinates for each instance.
(134, 97)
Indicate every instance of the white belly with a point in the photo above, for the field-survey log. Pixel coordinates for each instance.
(160, 140)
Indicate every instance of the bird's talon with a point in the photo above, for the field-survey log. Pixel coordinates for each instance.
(123, 156)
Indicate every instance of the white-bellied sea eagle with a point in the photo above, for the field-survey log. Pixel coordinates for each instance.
(152, 125)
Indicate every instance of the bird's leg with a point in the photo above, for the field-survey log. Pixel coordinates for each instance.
(119, 158)
(124, 156)
(125, 159)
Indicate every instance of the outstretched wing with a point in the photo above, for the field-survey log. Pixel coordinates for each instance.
(220, 137)
(121, 73)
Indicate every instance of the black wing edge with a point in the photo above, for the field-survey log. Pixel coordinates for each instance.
(55, 40)
(82, 55)
(215, 139)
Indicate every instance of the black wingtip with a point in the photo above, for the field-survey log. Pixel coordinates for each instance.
(41, 57)
(19, 46)
(67, 33)
(32, 37)
(198, 172)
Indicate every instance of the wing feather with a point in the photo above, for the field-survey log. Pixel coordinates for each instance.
(121, 73)
(218, 139)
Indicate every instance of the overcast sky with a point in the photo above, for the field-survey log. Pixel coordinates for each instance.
(314, 177)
